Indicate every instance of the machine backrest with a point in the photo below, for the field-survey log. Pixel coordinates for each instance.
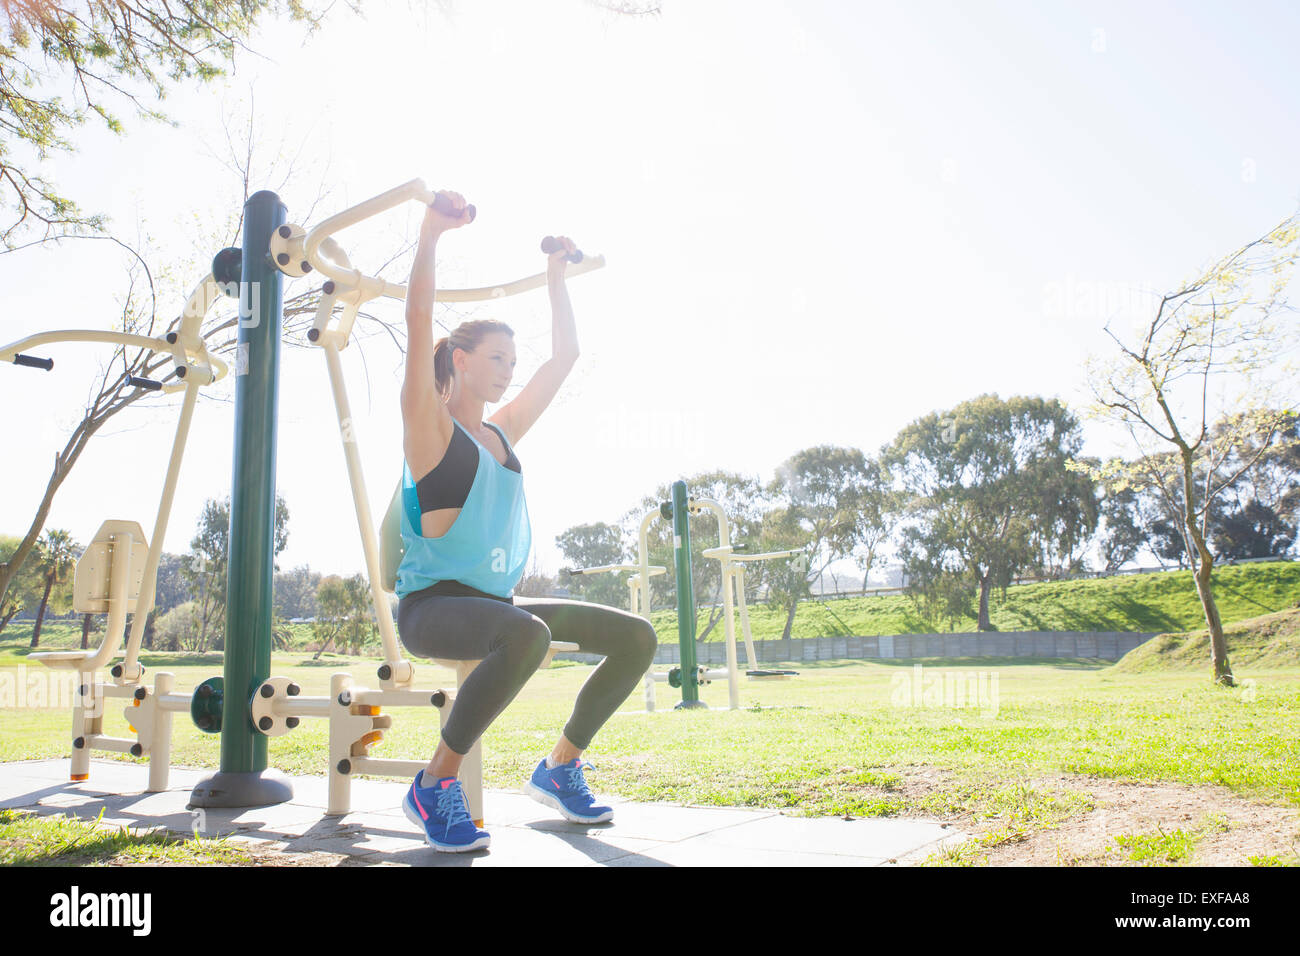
(391, 545)
(92, 584)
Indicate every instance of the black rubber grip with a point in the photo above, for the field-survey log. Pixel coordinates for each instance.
(31, 361)
(146, 383)
(551, 244)
(443, 205)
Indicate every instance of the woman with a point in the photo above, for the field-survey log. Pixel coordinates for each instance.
(465, 527)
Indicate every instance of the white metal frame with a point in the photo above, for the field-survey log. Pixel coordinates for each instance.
(121, 583)
(196, 368)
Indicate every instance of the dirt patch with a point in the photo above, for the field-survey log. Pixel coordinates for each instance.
(262, 855)
(1075, 820)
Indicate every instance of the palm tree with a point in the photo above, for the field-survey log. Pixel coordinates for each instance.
(57, 555)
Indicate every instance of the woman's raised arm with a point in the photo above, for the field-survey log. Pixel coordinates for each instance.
(522, 413)
(426, 422)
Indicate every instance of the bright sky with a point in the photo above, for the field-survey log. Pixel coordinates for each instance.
(821, 220)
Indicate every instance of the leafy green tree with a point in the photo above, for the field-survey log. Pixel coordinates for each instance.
(178, 629)
(109, 53)
(208, 565)
(57, 556)
(1252, 531)
(989, 496)
(592, 546)
(940, 591)
(784, 582)
(834, 502)
(171, 588)
(346, 614)
(295, 592)
(1257, 514)
(26, 588)
(1226, 327)
(1123, 526)
(90, 624)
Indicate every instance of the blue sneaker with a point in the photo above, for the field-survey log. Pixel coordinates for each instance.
(565, 789)
(442, 813)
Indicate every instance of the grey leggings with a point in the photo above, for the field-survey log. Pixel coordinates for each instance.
(511, 636)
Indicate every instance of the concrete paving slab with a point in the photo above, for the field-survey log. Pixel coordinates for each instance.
(366, 794)
(668, 823)
(511, 846)
(281, 820)
(34, 769)
(829, 835)
(699, 852)
(524, 832)
(21, 791)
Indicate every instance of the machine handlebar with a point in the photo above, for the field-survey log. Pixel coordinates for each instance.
(33, 362)
(551, 244)
(444, 206)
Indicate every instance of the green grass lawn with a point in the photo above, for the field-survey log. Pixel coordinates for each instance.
(838, 739)
(30, 840)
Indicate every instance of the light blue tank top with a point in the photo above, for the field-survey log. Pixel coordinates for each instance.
(487, 545)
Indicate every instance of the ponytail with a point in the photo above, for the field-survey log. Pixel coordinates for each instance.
(443, 370)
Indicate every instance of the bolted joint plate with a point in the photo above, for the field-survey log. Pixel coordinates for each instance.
(206, 705)
(262, 706)
(287, 250)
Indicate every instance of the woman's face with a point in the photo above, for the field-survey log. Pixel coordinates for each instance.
(489, 368)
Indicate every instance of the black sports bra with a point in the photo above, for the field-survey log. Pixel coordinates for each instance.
(449, 484)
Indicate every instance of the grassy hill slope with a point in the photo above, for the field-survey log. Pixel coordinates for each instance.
(1160, 602)
(1267, 641)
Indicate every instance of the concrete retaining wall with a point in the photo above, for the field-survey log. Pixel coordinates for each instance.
(1103, 645)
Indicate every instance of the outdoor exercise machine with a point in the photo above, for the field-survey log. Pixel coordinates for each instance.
(689, 675)
(117, 572)
(247, 705)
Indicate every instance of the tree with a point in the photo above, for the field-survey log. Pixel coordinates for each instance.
(346, 614)
(1223, 326)
(171, 588)
(938, 590)
(785, 583)
(90, 624)
(295, 593)
(25, 590)
(57, 557)
(535, 582)
(104, 49)
(989, 496)
(209, 562)
(149, 279)
(881, 506)
(1252, 531)
(178, 629)
(1258, 512)
(833, 496)
(592, 546)
(1123, 526)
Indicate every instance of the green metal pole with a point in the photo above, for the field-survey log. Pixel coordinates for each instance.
(685, 599)
(244, 780)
